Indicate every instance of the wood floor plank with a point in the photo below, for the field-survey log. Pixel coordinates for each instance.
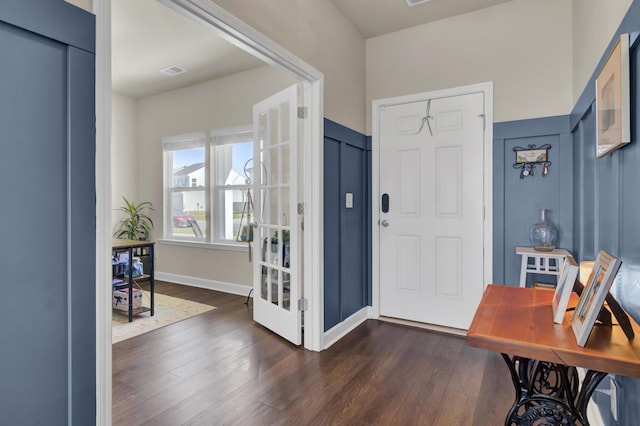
(464, 385)
(220, 368)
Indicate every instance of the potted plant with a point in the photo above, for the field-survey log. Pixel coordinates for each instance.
(137, 224)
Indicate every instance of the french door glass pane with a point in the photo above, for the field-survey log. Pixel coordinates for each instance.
(284, 128)
(284, 159)
(286, 291)
(274, 128)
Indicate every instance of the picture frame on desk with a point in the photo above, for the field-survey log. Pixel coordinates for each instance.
(564, 288)
(592, 298)
(613, 128)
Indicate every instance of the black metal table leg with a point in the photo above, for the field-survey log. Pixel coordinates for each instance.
(548, 393)
(130, 286)
(152, 278)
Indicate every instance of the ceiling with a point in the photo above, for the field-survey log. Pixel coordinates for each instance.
(147, 36)
(376, 17)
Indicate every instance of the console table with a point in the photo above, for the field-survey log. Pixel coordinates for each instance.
(132, 247)
(542, 356)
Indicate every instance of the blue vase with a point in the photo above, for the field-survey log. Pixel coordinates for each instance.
(543, 234)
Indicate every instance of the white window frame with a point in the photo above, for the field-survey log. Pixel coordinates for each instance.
(214, 189)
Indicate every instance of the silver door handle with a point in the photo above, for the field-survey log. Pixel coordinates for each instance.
(384, 223)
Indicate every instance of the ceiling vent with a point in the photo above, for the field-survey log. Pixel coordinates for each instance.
(172, 70)
(416, 2)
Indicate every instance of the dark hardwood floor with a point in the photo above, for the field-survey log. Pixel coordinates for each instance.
(220, 368)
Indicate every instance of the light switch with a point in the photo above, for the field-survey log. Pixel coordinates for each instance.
(349, 200)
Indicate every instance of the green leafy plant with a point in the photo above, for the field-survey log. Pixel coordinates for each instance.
(137, 224)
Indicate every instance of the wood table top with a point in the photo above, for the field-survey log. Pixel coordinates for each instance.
(519, 321)
(551, 253)
(121, 244)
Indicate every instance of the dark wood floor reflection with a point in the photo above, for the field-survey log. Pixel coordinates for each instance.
(221, 368)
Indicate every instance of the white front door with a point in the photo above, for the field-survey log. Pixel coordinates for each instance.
(276, 260)
(431, 209)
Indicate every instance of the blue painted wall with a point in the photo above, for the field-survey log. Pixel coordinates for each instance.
(517, 202)
(595, 202)
(47, 251)
(347, 162)
(607, 203)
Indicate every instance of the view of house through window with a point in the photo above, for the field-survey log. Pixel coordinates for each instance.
(188, 192)
(207, 180)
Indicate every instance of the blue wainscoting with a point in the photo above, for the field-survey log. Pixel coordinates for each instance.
(347, 248)
(517, 202)
(607, 206)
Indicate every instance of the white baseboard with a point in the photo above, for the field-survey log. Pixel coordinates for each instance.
(232, 288)
(342, 329)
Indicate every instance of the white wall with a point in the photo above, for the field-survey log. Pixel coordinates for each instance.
(84, 4)
(124, 153)
(219, 103)
(317, 33)
(524, 47)
(594, 24)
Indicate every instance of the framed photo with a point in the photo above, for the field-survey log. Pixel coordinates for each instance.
(592, 298)
(527, 159)
(537, 155)
(612, 100)
(564, 288)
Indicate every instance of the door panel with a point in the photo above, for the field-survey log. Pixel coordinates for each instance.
(431, 249)
(276, 272)
(409, 182)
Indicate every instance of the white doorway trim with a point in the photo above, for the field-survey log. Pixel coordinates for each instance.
(487, 90)
(102, 10)
(245, 37)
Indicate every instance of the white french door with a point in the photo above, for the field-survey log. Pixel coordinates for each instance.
(276, 273)
(431, 186)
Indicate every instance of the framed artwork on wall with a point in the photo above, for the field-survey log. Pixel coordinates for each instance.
(613, 128)
(564, 288)
(531, 156)
(592, 298)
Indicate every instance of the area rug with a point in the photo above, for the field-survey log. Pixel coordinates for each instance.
(168, 310)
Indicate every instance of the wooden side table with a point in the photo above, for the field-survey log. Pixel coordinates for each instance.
(542, 356)
(544, 262)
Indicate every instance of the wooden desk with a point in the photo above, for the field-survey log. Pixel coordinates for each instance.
(542, 356)
(131, 246)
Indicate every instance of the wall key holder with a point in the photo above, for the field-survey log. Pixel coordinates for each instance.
(528, 158)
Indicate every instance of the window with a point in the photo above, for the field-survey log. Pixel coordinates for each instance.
(207, 184)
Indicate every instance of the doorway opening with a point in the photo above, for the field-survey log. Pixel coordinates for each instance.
(241, 35)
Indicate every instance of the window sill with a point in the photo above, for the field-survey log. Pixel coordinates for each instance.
(206, 245)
